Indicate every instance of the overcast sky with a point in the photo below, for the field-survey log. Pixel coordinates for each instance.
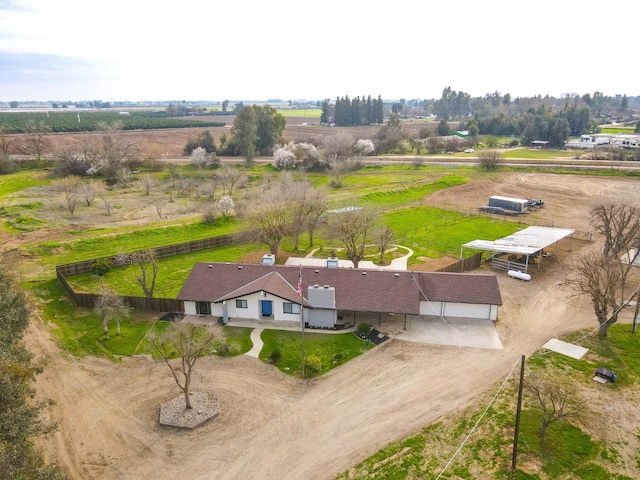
(131, 50)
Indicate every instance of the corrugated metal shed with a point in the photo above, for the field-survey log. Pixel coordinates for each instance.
(525, 242)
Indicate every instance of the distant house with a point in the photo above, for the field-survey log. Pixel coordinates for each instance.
(333, 297)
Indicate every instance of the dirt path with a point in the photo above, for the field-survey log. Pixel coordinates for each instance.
(275, 427)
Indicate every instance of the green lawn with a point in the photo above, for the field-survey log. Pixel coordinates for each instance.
(537, 153)
(172, 272)
(332, 349)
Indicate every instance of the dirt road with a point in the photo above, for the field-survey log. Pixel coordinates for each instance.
(276, 427)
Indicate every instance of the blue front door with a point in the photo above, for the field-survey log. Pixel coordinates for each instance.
(267, 308)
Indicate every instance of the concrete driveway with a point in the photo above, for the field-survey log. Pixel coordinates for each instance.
(458, 332)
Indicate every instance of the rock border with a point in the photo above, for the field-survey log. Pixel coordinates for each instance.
(205, 407)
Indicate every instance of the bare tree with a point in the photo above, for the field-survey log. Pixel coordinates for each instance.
(111, 307)
(7, 148)
(107, 204)
(270, 218)
(147, 183)
(111, 152)
(618, 221)
(173, 169)
(316, 208)
(352, 226)
(35, 140)
(558, 400)
(146, 260)
(384, 237)
(490, 159)
(189, 342)
(229, 177)
(600, 278)
(68, 187)
(89, 191)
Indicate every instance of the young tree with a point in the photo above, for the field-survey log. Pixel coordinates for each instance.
(36, 138)
(229, 177)
(558, 400)
(111, 308)
(490, 159)
(270, 218)
(225, 206)
(353, 228)
(146, 259)
(384, 237)
(189, 342)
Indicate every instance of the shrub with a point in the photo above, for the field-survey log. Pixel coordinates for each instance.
(275, 356)
(363, 329)
(312, 364)
(101, 267)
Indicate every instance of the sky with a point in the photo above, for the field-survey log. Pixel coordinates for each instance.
(149, 50)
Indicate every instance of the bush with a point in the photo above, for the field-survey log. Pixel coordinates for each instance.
(363, 329)
(275, 356)
(312, 364)
(101, 267)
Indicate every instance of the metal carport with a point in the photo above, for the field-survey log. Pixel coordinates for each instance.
(528, 242)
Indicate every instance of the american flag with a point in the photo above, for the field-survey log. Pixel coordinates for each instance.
(300, 283)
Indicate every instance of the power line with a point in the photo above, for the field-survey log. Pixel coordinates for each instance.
(479, 420)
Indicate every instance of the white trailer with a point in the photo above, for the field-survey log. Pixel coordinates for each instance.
(518, 205)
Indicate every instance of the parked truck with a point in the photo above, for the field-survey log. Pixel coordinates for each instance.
(518, 205)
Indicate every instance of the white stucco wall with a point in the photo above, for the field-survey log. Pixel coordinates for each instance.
(253, 310)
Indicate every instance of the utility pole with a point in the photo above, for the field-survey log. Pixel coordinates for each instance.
(517, 429)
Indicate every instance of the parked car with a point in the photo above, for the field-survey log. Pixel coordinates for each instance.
(469, 150)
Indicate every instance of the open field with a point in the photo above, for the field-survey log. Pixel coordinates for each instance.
(274, 426)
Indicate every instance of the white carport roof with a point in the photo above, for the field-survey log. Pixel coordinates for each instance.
(525, 242)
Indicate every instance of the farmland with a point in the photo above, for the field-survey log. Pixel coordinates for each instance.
(107, 410)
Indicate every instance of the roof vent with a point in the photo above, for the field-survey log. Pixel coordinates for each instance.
(364, 273)
(239, 267)
(316, 271)
(396, 274)
(332, 262)
(326, 286)
(210, 266)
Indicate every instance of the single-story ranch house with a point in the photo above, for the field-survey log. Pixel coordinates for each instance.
(333, 297)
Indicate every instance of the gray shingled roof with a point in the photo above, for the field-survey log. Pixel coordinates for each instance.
(356, 289)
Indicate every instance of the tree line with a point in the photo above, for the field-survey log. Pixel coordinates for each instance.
(349, 113)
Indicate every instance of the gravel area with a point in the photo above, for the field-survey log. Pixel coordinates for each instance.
(205, 407)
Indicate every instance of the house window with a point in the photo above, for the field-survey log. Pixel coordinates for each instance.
(291, 307)
(203, 308)
(241, 304)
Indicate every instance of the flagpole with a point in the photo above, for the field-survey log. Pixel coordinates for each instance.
(301, 319)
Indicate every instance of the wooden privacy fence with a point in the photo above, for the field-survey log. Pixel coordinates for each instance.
(463, 265)
(140, 303)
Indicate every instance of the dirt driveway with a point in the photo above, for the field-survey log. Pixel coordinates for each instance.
(275, 427)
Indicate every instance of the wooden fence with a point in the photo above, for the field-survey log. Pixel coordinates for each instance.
(464, 265)
(139, 303)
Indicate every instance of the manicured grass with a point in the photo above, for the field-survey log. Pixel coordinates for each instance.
(333, 349)
(172, 272)
(431, 231)
(617, 129)
(58, 253)
(79, 330)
